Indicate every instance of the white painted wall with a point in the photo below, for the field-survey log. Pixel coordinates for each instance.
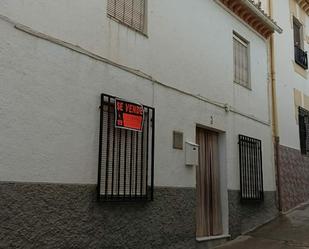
(287, 77)
(50, 95)
(197, 55)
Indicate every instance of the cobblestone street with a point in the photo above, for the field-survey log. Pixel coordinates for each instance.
(289, 231)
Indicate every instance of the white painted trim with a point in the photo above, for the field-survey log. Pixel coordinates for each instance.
(208, 238)
(239, 19)
(262, 15)
(269, 22)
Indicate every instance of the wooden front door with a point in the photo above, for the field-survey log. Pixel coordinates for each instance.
(209, 217)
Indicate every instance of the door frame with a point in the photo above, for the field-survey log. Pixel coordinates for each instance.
(222, 148)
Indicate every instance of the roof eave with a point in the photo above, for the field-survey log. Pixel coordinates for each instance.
(262, 15)
(252, 15)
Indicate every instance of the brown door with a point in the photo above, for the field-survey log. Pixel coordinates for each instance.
(209, 219)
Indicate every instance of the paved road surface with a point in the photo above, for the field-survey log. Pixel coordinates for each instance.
(290, 231)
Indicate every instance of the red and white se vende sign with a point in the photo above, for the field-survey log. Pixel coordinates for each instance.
(129, 115)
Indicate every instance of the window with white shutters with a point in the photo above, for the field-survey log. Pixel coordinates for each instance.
(241, 61)
(129, 12)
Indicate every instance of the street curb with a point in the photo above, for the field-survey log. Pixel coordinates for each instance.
(295, 208)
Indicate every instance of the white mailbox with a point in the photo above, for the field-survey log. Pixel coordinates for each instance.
(191, 154)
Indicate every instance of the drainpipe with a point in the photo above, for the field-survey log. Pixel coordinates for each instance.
(274, 110)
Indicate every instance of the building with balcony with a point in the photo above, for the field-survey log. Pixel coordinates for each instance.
(290, 74)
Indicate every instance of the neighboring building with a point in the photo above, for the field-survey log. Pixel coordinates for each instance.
(200, 72)
(292, 101)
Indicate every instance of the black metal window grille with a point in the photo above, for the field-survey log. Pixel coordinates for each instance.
(126, 157)
(303, 120)
(251, 173)
(301, 57)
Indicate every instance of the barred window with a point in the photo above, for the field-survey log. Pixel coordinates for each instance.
(303, 120)
(126, 157)
(251, 172)
(129, 12)
(241, 61)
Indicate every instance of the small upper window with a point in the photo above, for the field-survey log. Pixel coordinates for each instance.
(300, 55)
(298, 31)
(129, 12)
(241, 61)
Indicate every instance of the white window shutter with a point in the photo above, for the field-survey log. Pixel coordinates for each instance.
(128, 12)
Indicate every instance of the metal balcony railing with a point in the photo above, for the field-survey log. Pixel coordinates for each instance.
(301, 57)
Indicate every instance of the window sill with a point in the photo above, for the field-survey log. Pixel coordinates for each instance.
(246, 87)
(298, 69)
(143, 33)
(208, 238)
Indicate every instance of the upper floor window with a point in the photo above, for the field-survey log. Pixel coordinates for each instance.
(129, 12)
(300, 55)
(241, 61)
(298, 31)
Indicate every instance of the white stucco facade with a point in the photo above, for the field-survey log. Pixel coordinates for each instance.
(49, 95)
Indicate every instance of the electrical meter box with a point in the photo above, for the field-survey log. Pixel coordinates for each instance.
(192, 150)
